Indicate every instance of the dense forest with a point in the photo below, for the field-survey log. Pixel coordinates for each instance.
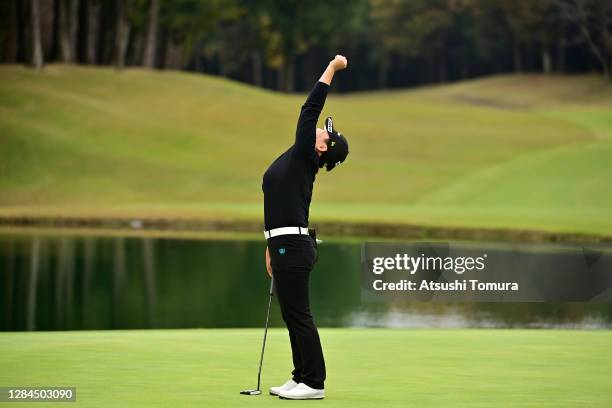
(281, 44)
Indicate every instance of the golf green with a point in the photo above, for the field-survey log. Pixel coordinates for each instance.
(365, 367)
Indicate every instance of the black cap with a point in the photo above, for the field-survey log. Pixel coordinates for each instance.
(337, 147)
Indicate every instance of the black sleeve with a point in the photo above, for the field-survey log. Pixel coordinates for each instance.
(305, 135)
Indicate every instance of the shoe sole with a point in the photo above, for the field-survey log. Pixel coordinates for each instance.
(301, 399)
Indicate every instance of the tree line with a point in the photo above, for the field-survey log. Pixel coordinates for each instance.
(281, 44)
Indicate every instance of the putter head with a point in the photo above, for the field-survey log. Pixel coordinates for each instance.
(250, 392)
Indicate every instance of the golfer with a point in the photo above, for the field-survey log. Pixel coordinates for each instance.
(292, 247)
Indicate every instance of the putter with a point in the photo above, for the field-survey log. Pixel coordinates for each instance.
(258, 390)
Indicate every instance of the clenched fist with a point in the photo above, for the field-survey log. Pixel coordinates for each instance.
(339, 63)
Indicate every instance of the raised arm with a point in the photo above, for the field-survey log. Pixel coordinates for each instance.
(305, 135)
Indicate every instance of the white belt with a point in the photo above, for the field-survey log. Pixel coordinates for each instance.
(285, 231)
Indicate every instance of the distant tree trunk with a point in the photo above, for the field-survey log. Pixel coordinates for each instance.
(22, 27)
(383, 71)
(516, 55)
(122, 34)
(55, 40)
(442, 67)
(257, 71)
(106, 41)
(135, 48)
(150, 48)
(74, 27)
(46, 11)
(93, 28)
(198, 62)
(465, 69)
(289, 70)
(37, 55)
(222, 61)
(280, 78)
(561, 57)
(546, 61)
(174, 54)
(12, 35)
(68, 25)
(561, 45)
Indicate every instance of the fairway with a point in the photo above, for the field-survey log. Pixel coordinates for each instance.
(514, 151)
(366, 367)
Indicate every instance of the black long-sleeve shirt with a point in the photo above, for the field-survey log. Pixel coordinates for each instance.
(287, 184)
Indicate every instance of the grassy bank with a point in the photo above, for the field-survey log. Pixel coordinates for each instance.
(520, 152)
(366, 367)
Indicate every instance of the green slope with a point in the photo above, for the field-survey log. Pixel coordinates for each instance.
(365, 368)
(509, 151)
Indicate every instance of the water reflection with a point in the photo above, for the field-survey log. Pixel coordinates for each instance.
(72, 283)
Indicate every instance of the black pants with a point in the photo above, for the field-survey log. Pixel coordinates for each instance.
(292, 258)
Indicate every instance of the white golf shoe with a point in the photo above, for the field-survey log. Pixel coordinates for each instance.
(289, 385)
(302, 392)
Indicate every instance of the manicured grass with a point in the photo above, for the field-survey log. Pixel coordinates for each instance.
(508, 151)
(366, 367)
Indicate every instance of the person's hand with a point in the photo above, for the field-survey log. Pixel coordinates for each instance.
(268, 266)
(339, 63)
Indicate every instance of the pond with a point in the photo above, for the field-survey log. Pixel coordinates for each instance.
(83, 282)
